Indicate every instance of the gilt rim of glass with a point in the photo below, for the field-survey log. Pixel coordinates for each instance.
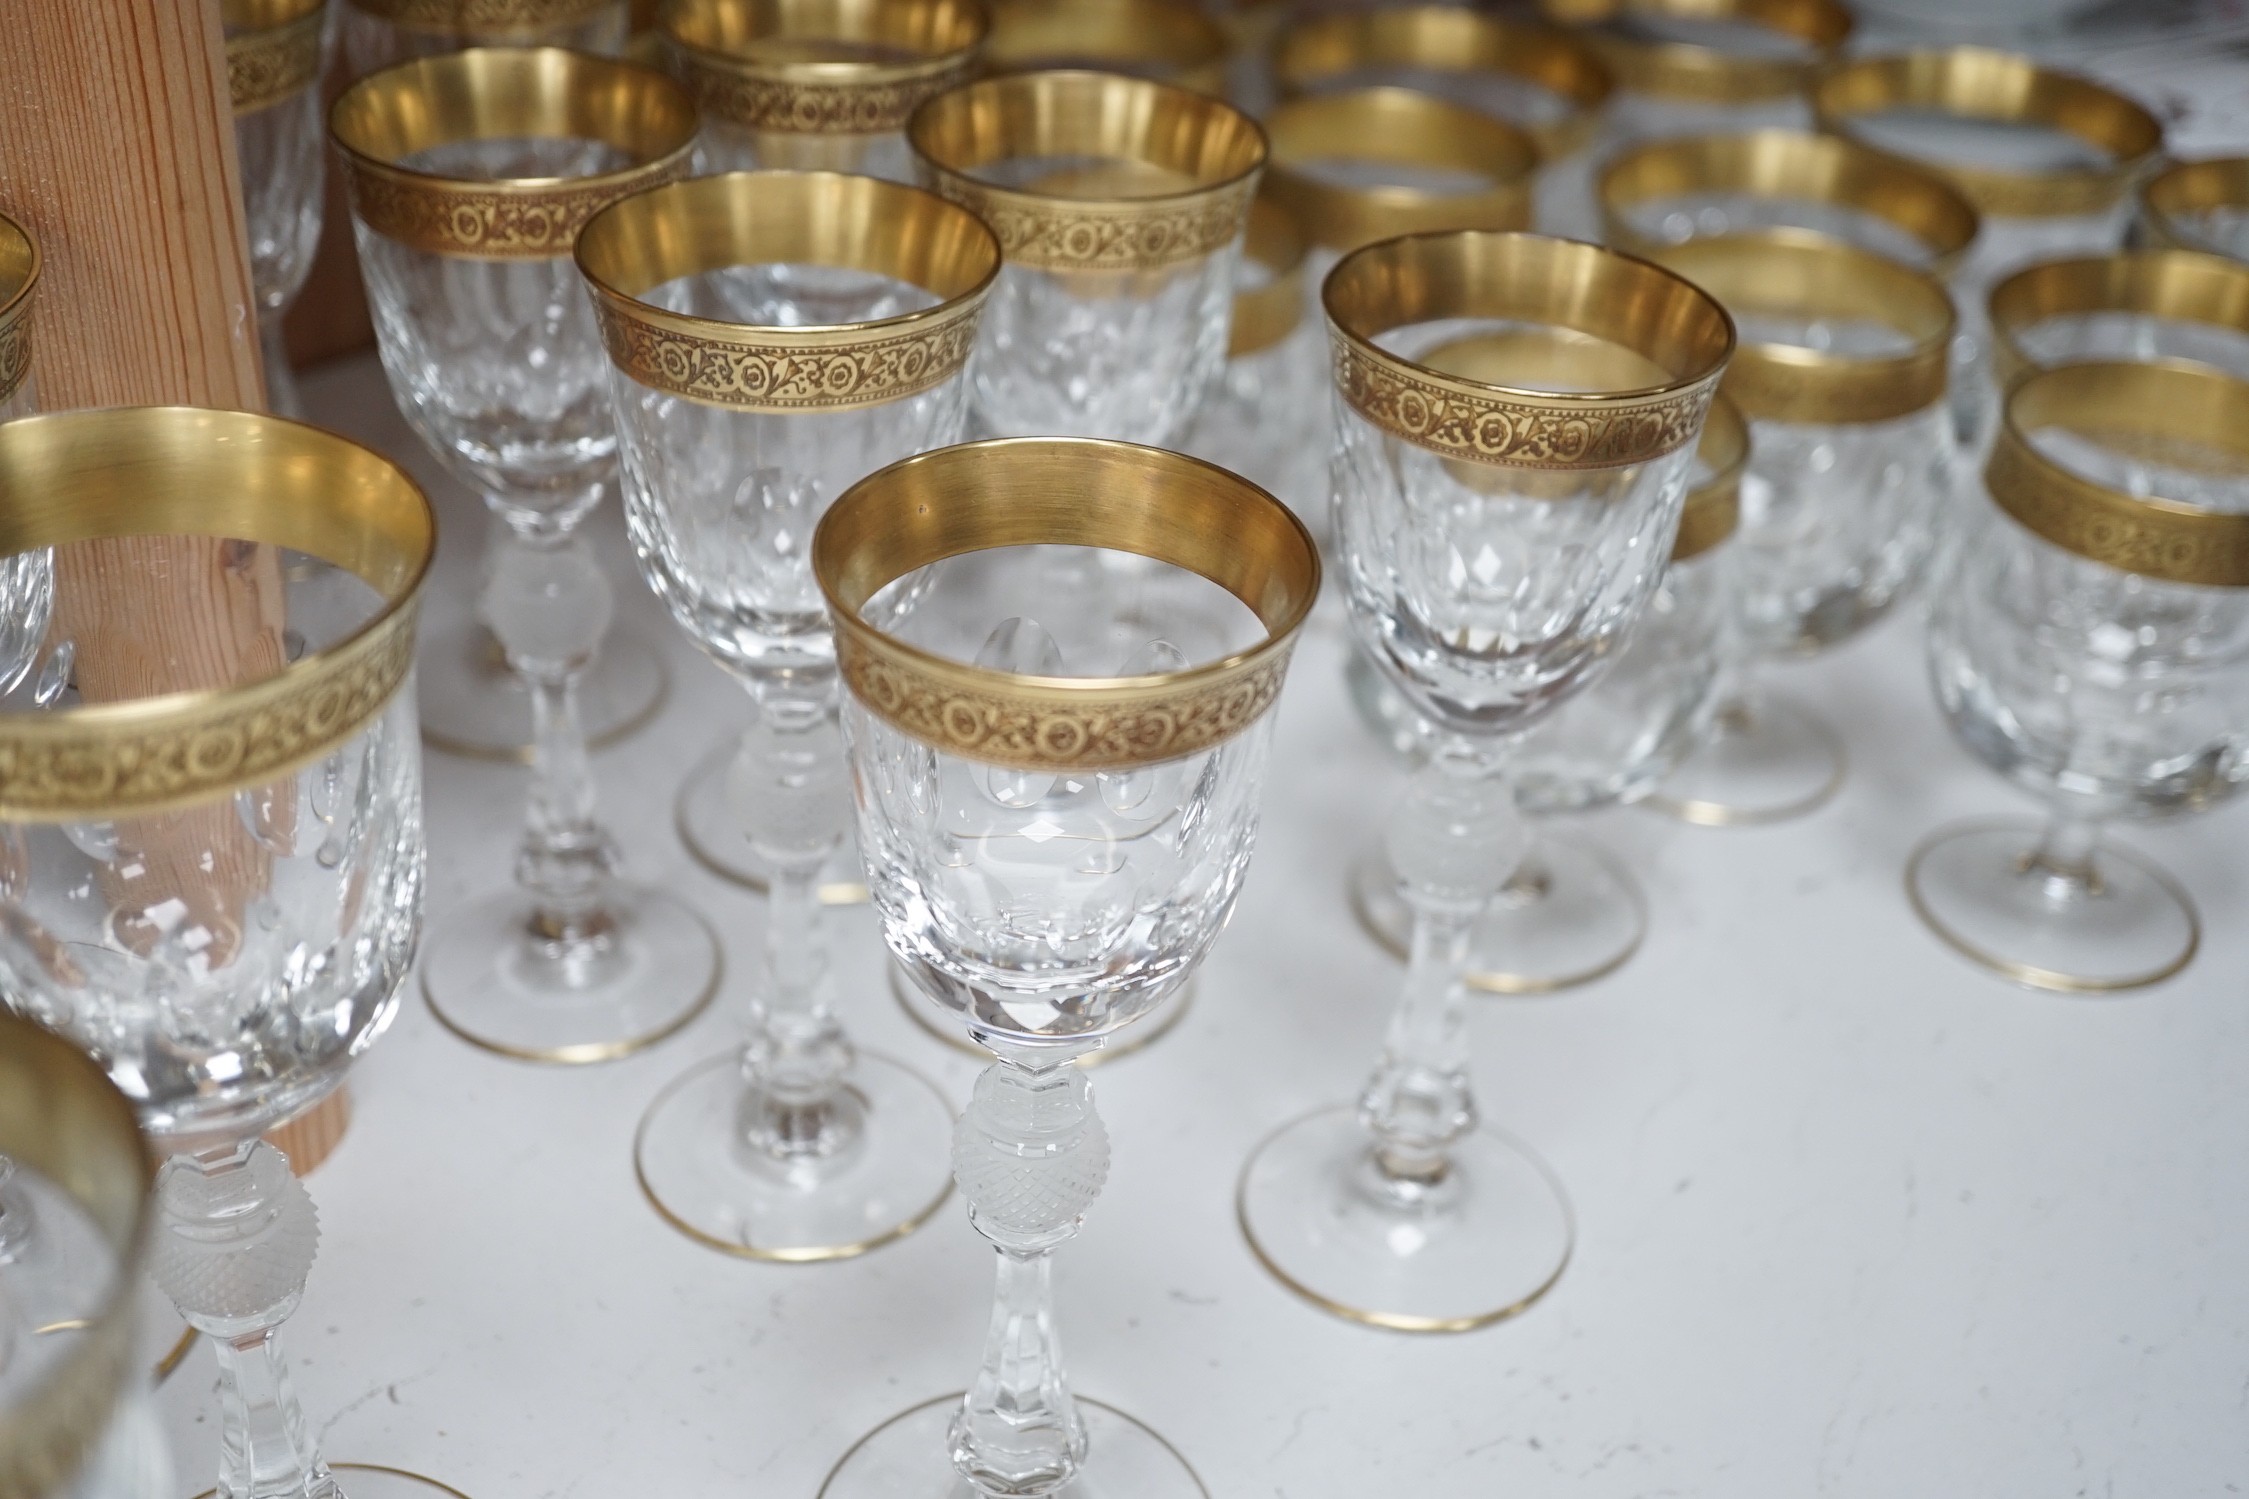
(1695, 73)
(2180, 285)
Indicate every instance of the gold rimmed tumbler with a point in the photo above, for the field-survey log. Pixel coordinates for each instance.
(1120, 205)
(1170, 41)
(1057, 794)
(273, 64)
(375, 34)
(2196, 205)
(1500, 537)
(2139, 306)
(2092, 646)
(1689, 67)
(773, 338)
(470, 175)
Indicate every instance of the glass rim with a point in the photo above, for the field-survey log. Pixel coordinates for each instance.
(1691, 72)
(1034, 35)
(1072, 491)
(743, 80)
(2183, 285)
(1265, 315)
(20, 265)
(825, 219)
(2168, 540)
(2185, 187)
(489, 20)
(140, 471)
(1789, 164)
(276, 53)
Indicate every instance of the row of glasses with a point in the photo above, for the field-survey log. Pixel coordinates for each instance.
(274, 53)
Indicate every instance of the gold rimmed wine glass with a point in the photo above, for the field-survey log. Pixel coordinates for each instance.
(273, 64)
(375, 34)
(1692, 67)
(1170, 41)
(2196, 205)
(2137, 305)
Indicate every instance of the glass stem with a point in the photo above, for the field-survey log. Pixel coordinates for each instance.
(282, 397)
(1030, 1155)
(2066, 860)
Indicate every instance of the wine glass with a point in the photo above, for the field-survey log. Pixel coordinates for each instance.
(774, 337)
(2196, 205)
(1499, 541)
(470, 175)
(818, 84)
(1570, 913)
(1119, 204)
(1170, 41)
(375, 34)
(2092, 646)
(273, 58)
(1692, 67)
(2136, 305)
(211, 854)
(1057, 795)
(19, 284)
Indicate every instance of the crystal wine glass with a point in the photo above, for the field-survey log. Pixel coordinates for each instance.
(2092, 646)
(1694, 67)
(2137, 306)
(211, 854)
(273, 65)
(1119, 204)
(2196, 205)
(470, 176)
(1842, 371)
(1499, 541)
(1057, 794)
(773, 338)
(1170, 41)
(375, 34)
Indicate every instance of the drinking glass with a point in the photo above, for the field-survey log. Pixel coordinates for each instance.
(1842, 373)
(818, 84)
(1541, 79)
(1169, 41)
(2196, 205)
(375, 34)
(211, 852)
(1570, 913)
(1499, 540)
(1057, 794)
(19, 282)
(273, 57)
(2049, 159)
(2092, 646)
(1119, 204)
(2138, 306)
(774, 337)
(1697, 67)
(470, 175)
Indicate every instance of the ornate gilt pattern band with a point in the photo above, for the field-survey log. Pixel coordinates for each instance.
(19, 278)
(876, 106)
(485, 17)
(492, 221)
(270, 64)
(1063, 234)
(764, 371)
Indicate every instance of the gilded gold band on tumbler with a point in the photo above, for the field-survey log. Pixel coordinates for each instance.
(1266, 314)
(2135, 406)
(272, 50)
(787, 218)
(2183, 286)
(1828, 169)
(1399, 128)
(822, 67)
(1793, 273)
(1170, 41)
(496, 93)
(1033, 491)
(484, 21)
(19, 280)
(1689, 73)
(185, 471)
(1200, 157)
(1713, 506)
(1448, 39)
(1977, 84)
(2190, 187)
(1608, 297)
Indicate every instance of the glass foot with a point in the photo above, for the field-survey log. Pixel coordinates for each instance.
(368, 1481)
(1480, 1246)
(1136, 1038)
(907, 1457)
(1571, 917)
(1975, 888)
(493, 983)
(699, 1175)
(471, 704)
(714, 836)
(1765, 762)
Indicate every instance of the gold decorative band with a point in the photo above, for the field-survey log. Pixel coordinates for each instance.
(1796, 274)
(1266, 314)
(1449, 39)
(272, 49)
(62, 1118)
(504, 94)
(807, 67)
(1167, 40)
(2183, 286)
(2190, 187)
(1197, 159)
(1396, 127)
(1829, 169)
(1977, 84)
(1076, 492)
(1695, 74)
(787, 218)
(1601, 296)
(183, 471)
(19, 278)
(2132, 405)
(1713, 507)
(486, 20)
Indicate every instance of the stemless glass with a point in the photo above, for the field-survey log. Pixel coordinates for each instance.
(470, 176)
(211, 853)
(1570, 913)
(1542, 79)
(375, 34)
(2138, 306)
(1499, 540)
(818, 84)
(1169, 41)
(2049, 159)
(2092, 646)
(19, 281)
(273, 57)
(1691, 67)
(2197, 205)
(1842, 373)
(1058, 793)
(774, 337)
(1119, 204)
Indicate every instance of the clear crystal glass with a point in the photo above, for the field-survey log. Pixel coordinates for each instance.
(370, 41)
(284, 175)
(1262, 419)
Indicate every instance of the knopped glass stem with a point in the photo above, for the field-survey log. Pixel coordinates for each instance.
(1030, 1155)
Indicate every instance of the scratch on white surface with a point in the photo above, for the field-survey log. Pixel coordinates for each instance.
(388, 1387)
(1297, 1429)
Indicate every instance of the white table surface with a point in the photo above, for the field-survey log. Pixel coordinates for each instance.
(1854, 1217)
